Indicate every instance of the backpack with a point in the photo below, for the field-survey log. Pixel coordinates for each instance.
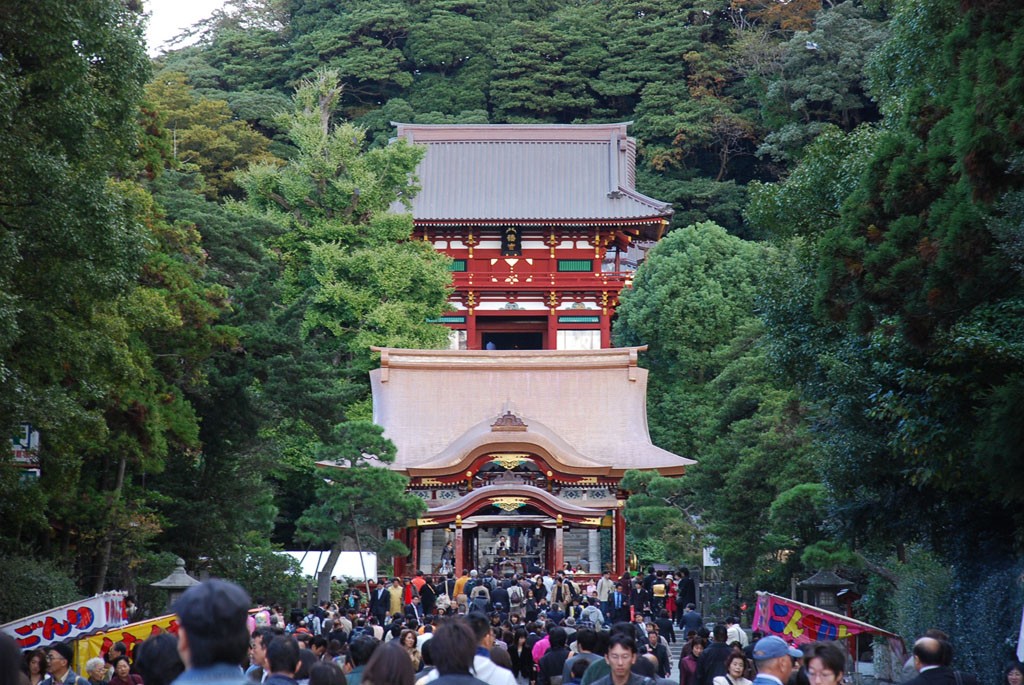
(515, 595)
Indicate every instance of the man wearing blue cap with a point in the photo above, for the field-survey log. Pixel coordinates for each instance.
(774, 660)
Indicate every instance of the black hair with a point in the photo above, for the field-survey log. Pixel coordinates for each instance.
(265, 635)
(720, 633)
(325, 673)
(10, 661)
(832, 657)
(389, 665)
(213, 616)
(735, 654)
(601, 643)
(586, 639)
(579, 667)
(283, 654)
(306, 660)
(453, 647)
(1012, 666)
(622, 640)
(479, 624)
(557, 637)
(157, 659)
(361, 649)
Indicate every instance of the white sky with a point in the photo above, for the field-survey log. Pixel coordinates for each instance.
(169, 17)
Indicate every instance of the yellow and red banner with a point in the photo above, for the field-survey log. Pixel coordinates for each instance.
(799, 623)
(99, 645)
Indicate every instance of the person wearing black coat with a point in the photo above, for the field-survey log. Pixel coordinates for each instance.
(549, 668)
(712, 661)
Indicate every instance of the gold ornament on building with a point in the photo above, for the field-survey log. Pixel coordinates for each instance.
(509, 461)
(508, 503)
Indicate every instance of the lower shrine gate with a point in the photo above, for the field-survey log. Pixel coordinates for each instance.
(518, 455)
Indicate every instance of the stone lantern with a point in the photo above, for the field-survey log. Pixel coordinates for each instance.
(820, 589)
(176, 583)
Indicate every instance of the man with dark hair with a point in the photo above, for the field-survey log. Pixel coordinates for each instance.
(484, 667)
(692, 620)
(586, 644)
(712, 661)
(260, 669)
(116, 651)
(686, 592)
(665, 626)
(212, 633)
(283, 657)
(453, 654)
(621, 657)
(318, 645)
(58, 666)
(413, 610)
(660, 651)
(618, 605)
(359, 652)
(605, 588)
(549, 668)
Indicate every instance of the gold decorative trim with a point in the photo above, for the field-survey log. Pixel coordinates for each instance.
(588, 480)
(509, 461)
(508, 503)
(431, 481)
(593, 521)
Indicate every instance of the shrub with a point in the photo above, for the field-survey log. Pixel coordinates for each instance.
(28, 586)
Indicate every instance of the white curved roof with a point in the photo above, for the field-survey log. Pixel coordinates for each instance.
(585, 408)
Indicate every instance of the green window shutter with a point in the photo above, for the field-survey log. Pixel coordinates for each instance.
(458, 265)
(579, 319)
(580, 265)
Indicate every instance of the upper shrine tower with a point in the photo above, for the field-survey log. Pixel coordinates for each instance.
(544, 226)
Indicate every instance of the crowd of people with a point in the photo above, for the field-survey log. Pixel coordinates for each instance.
(398, 633)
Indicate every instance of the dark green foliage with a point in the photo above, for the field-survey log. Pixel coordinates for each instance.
(28, 586)
(714, 398)
(821, 79)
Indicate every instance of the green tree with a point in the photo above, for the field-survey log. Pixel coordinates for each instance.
(822, 79)
(358, 500)
(203, 134)
(71, 80)
(713, 397)
(351, 279)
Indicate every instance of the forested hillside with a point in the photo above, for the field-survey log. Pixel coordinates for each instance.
(197, 258)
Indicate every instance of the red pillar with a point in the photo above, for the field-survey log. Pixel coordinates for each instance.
(606, 331)
(552, 338)
(398, 562)
(620, 541)
(471, 341)
(414, 548)
(460, 553)
(558, 559)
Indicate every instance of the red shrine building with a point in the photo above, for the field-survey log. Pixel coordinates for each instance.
(517, 437)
